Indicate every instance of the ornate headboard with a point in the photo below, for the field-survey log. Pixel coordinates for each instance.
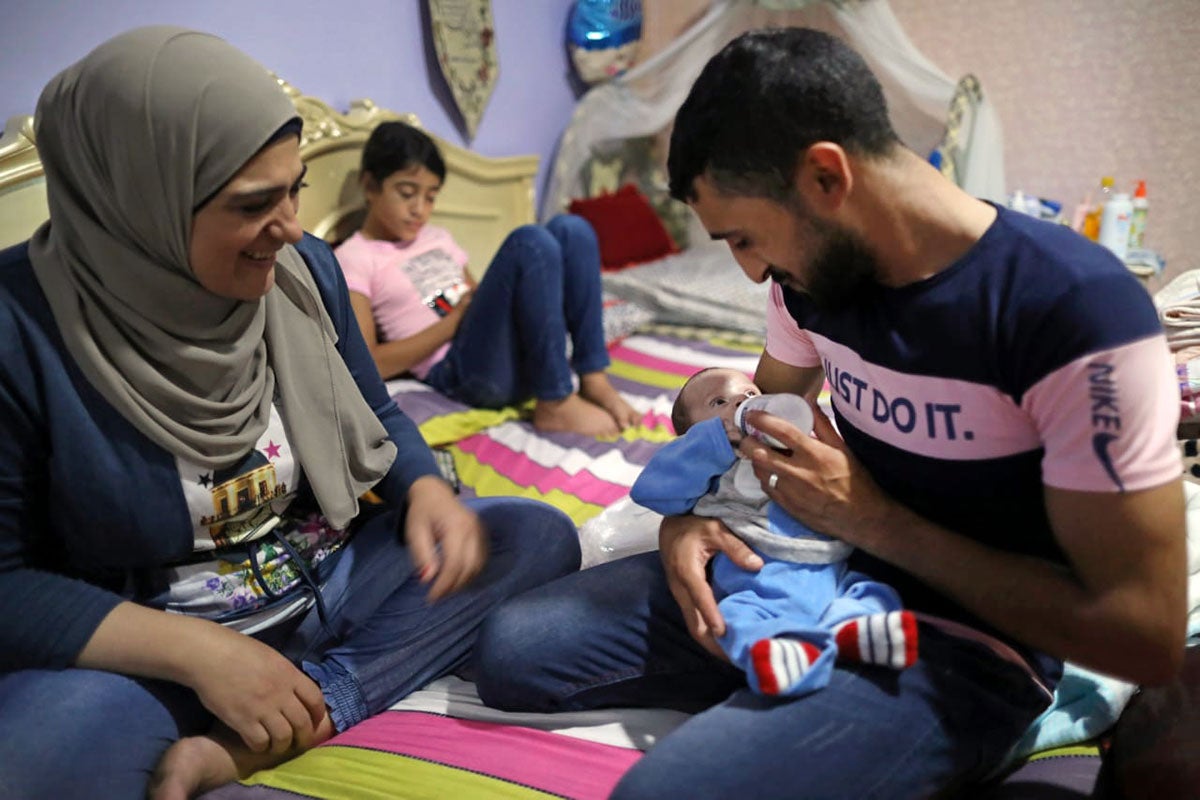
(482, 200)
(22, 187)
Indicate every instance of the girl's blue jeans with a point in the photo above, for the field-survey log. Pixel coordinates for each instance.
(542, 287)
(77, 733)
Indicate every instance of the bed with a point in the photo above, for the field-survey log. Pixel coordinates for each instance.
(441, 741)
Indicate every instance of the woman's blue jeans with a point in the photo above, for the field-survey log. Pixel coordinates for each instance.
(542, 286)
(79, 733)
(613, 635)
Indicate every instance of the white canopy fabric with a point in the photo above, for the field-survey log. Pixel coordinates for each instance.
(643, 101)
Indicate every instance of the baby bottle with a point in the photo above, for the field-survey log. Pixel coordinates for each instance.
(792, 407)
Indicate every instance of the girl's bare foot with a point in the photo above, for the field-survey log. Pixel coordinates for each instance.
(573, 414)
(596, 387)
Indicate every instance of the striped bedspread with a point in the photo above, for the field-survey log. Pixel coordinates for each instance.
(500, 452)
(409, 754)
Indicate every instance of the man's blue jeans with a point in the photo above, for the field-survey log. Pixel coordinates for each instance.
(78, 733)
(613, 635)
(542, 286)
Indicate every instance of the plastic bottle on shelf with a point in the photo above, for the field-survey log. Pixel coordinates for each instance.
(1091, 221)
(1137, 224)
(791, 407)
(1080, 214)
(1115, 223)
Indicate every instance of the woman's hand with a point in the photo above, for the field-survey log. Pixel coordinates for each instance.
(446, 539)
(254, 690)
(819, 482)
(250, 687)
(686, 545)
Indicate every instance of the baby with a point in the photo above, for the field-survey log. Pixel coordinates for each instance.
(786, 624)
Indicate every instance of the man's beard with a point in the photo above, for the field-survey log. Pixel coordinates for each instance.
(843, 272)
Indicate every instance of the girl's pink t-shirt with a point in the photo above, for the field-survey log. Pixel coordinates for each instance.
(403, 281)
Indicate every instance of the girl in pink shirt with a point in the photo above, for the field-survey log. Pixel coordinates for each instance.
(490, 344)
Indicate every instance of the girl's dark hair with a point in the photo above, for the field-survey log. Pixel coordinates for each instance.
(394, 146)
(763, 100)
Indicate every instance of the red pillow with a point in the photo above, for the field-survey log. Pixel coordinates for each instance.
(627, 227)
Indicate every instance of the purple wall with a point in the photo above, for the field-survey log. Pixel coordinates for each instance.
(337, 50)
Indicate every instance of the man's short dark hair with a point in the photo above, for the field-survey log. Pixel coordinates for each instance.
(395, 146)
(763, 100)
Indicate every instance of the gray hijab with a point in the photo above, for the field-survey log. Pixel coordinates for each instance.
(133, 138)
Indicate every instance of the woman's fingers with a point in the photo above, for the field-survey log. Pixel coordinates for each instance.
(464, 553)
(300, 723)
(279, 728)
(418, 535)
(255, 734)
(310, 696)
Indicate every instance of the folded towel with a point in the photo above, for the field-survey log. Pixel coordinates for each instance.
(1181, 315)
(1179, 339)
(1086, 704)
(1178, 305)
(1182, 290)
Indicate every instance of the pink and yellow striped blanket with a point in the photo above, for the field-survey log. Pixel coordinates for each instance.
(499, 453)
(411, 754)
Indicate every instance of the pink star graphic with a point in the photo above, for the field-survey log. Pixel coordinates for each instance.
(272, 450)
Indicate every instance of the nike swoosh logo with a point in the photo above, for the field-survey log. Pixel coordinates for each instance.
(1100, 443)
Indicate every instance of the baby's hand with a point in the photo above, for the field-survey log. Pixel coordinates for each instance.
(733, 432)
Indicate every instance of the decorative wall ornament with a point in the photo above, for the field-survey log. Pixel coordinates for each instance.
(603, 37)
(464, 39)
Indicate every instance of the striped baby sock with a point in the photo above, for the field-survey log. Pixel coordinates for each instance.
(888, 639)
(779, 664)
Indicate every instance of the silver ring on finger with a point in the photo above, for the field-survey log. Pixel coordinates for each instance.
(772, 481)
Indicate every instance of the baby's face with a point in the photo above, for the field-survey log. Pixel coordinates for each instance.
(718, 393)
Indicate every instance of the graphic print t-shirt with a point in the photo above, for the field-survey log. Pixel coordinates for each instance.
(406, 282)
(241, 512)
(1035, 360)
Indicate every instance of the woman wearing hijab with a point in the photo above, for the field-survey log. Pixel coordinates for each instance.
(189, 588)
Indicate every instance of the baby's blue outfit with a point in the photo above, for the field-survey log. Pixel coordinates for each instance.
(804, 588)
